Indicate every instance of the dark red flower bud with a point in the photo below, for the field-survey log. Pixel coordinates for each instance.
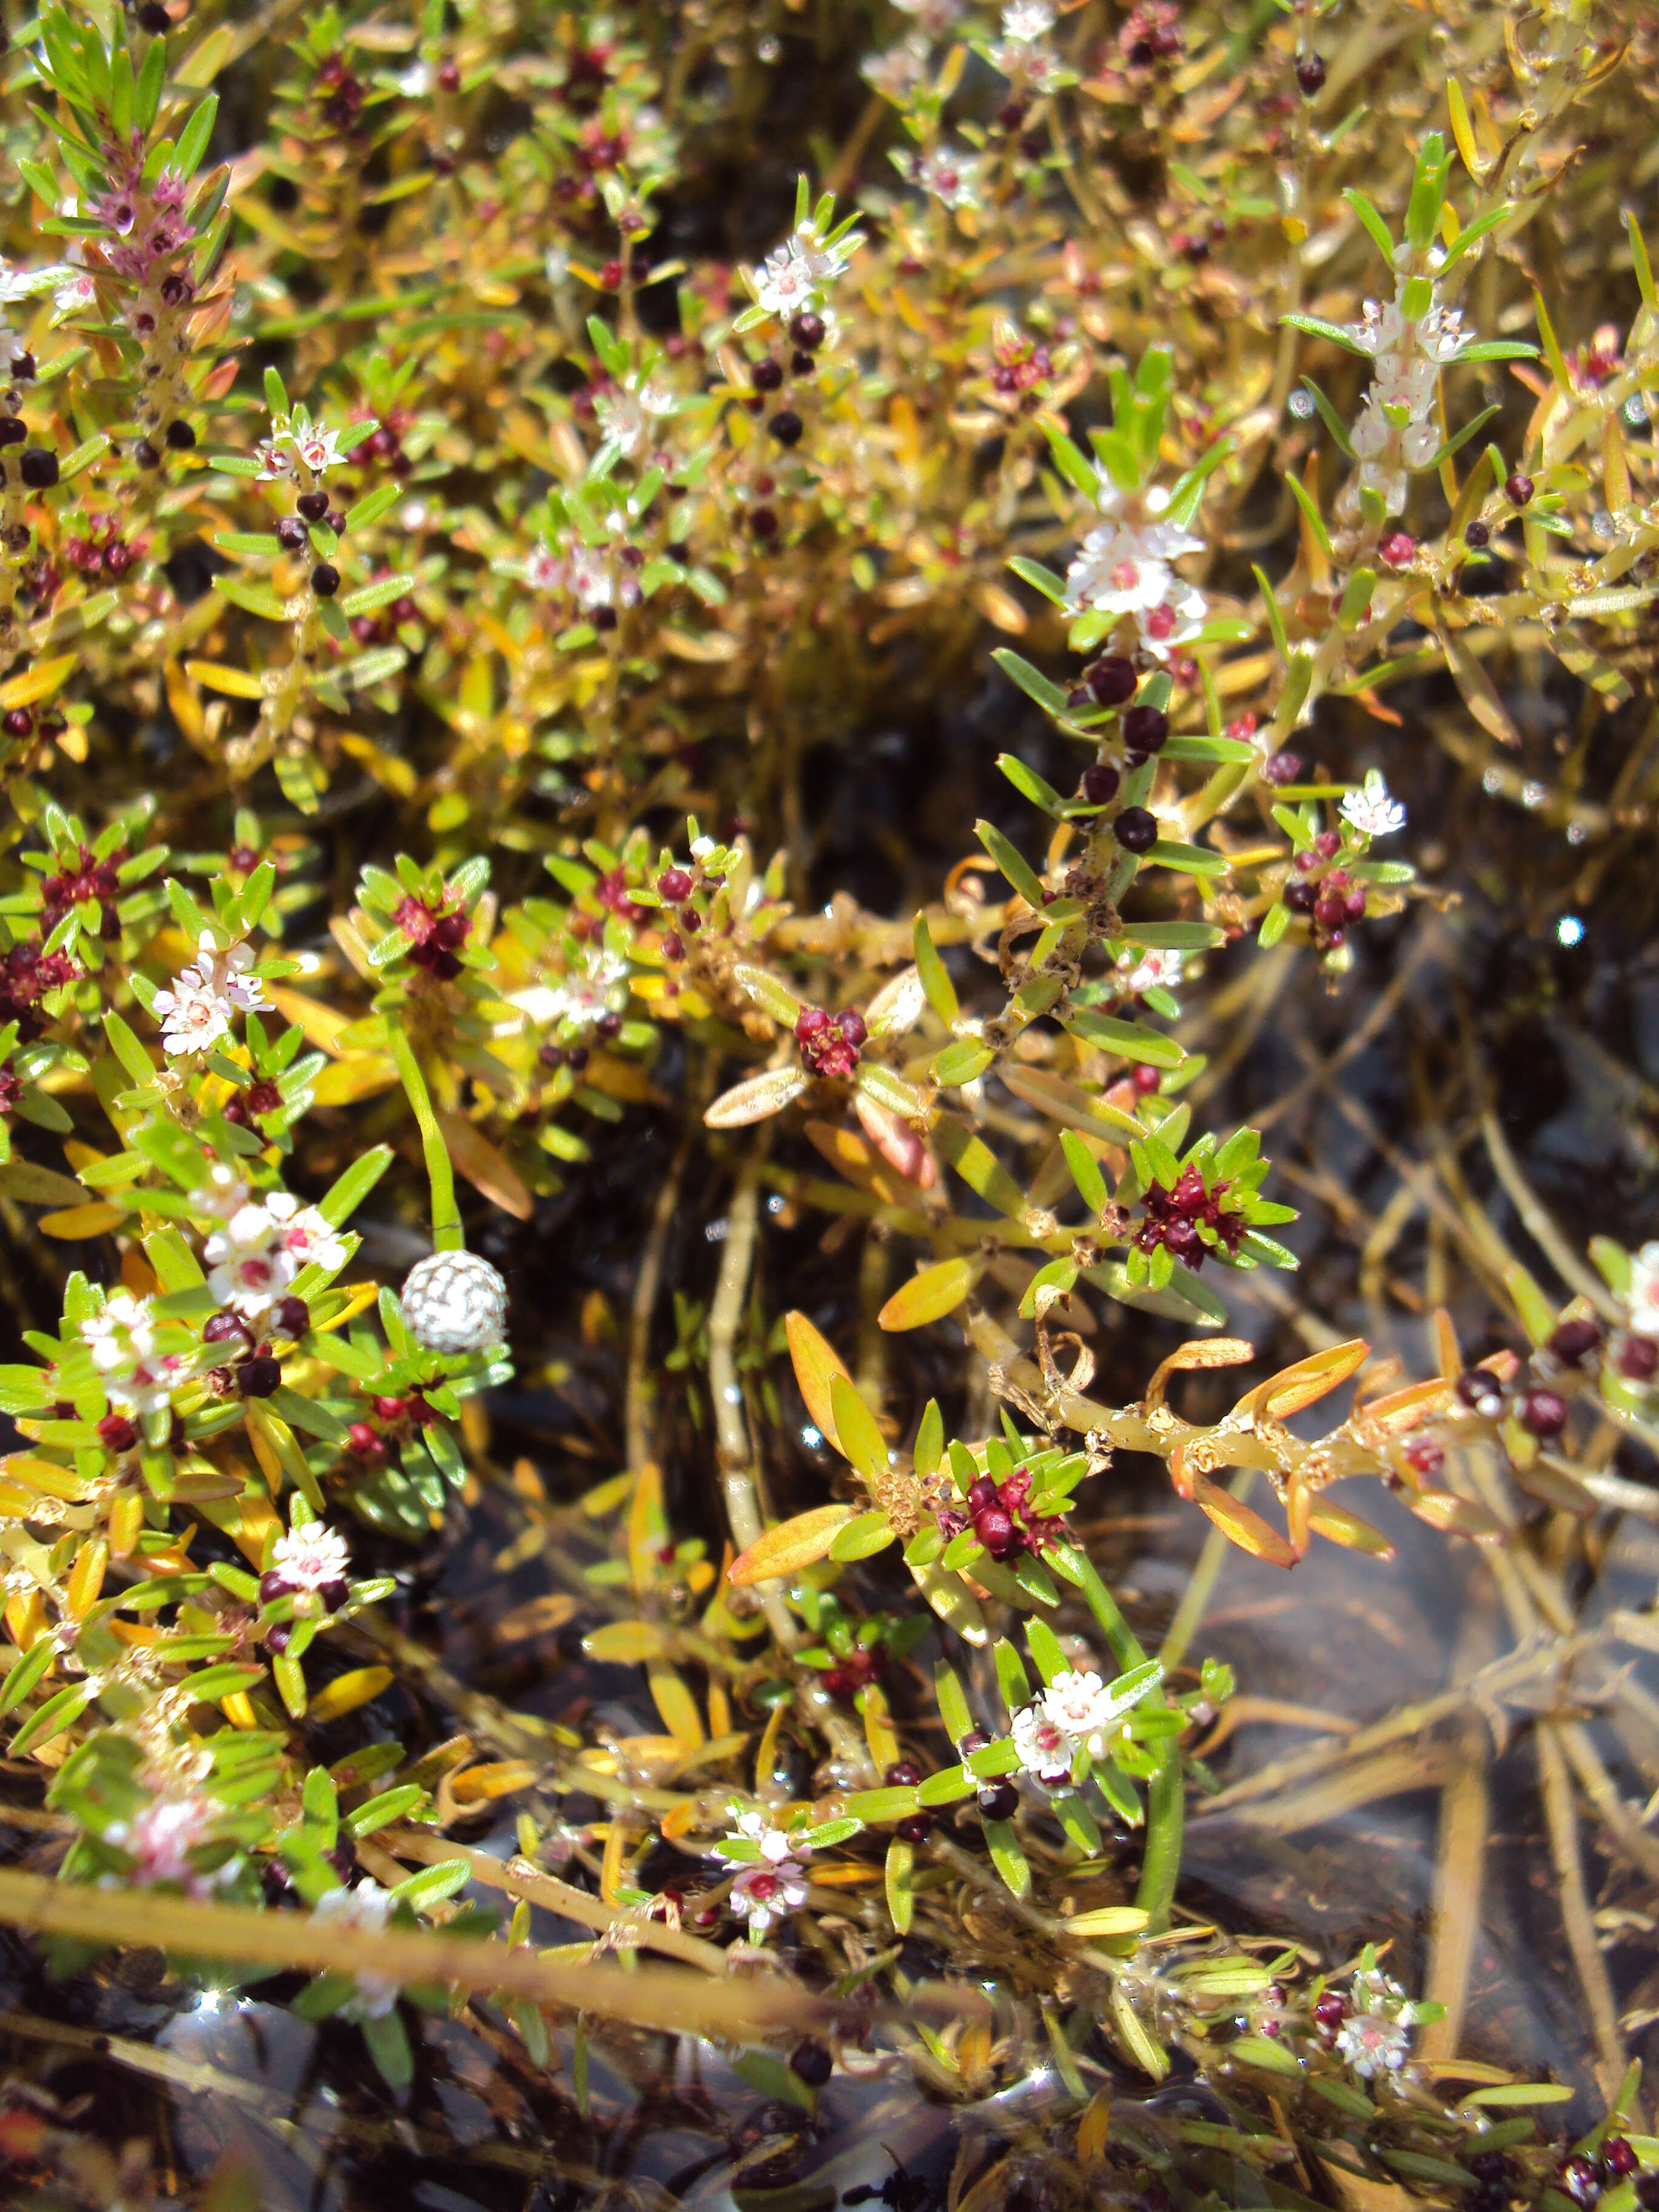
(116, 1433)
(998, 1800)
(1397, 549)
(675, 885)
(995, 1526)
(292, 1318)
(1638, 1359)
(1146, 728)
(1310, 75)
(807, 331)
(1145, 1079)
(1518, 490)
(1574, 1340)
(364, 1441)
(223, 1327)
(903, 1774)
(1111, 679)
(258, 1376)
(1477, 534)
(767, 375)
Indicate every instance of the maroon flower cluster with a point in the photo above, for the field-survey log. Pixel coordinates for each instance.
(1172, 1218)
(1150, 34)
(102, 551)
(341, 93)
(89, 879)
(856, 1672)
(436, 935)
(27, 974)
(1000, 1518)
(1327, 896)
(830, 1043)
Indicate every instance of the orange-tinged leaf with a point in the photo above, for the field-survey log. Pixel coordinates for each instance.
(859, 1434)
(790, 1546)
(1307, 1380)
(1445, 1345)
(848, 1153)
(87, 1578)
(1329, 1519)
(1404, 1409)
(895, 1141)
(936, 1291)
(1240, 1526)
(235, 683)
(500, 1778)
(484, 1167)
(1200, 1351)
(817, 1362)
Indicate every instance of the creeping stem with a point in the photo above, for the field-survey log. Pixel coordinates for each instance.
(446, 1232)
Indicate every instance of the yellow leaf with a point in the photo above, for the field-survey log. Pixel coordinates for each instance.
(1093, 2128)
(236, 683)
(858, 1438)
(1307, 1380)
(626, 1642)
(185, 702)
(347, 1692)
(86, 1579)
(677, 1706)
(789, 1547)
(1333, 1522)
(540, 1617)
(37, 683)
(648, 1525)
(386, 769)
(91, 1220)
(879, 1728)
(1109, 1920)
(348, 1081)
(1241, 1526)
(816, 1363)
(929, 1295)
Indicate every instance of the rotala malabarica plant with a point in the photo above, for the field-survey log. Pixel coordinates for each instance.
(527, 538)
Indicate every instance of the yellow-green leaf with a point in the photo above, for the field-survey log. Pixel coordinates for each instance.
(929, 1295)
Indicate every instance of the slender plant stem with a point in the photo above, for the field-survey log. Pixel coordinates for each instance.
(446, 1232)
(1166, 1804)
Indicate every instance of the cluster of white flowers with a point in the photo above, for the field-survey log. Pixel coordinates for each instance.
(1123, 568)
(367, 1907)
(774, 1887)
(1020, 52)
(598, 987)
(625, 414)
(595, 575)
(137, 1378)
(198, 1010)
(1375, 2037)
(1371, 811)
(1397, 431)
(1076, 1712)
(797, 275)
(160, 1837)
(899, 73)
(262, 1246)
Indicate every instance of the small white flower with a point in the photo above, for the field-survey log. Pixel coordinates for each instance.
(1152, 971)
(583, 995)
(1374, 2043)
(275, 461)
(1441, 335)
(1024, 21)
(161, 1836)
(1382, 329)
(311, 1557)
(416, 81)
(248, 1270)
(1644, 1291)
(307, 1239)
(122, 1334)
(454, 1302)
(784, 285)
(146, 1388)
(1045, 1749)
(770, 1892)
(1083, 1707)
(368, 1907)
(195, 1012)
(322, 451)
(223, 1193)
(1115, 574)
(897, 73)
(1372, 811)
(946, 175)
